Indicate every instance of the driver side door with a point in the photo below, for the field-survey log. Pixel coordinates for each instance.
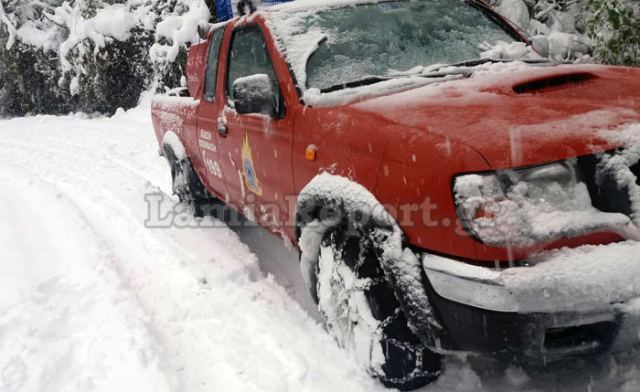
(258, 147)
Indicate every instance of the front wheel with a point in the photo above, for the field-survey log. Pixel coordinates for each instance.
(362, 312)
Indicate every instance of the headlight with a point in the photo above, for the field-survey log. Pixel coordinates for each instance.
(522, 207)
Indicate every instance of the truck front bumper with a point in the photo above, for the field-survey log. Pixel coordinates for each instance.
(570, 302)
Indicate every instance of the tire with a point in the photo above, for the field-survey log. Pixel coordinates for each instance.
(186, 183)
(362, 312)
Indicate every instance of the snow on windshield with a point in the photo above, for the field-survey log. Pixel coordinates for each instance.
(333, 46)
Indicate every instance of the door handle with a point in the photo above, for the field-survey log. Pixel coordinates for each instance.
(223, 130)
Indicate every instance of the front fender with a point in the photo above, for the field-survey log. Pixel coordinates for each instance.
(415, 184)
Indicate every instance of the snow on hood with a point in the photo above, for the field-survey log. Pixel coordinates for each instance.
(511, 129)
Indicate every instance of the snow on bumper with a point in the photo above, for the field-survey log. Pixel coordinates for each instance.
(584, 279)
(569, 302)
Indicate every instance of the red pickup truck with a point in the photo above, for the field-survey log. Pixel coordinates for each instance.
(444, 197)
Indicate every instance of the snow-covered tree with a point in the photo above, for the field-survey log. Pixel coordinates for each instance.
(607, 31)
(91, 55)
(615, 28)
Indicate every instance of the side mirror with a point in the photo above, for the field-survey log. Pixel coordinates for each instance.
(254, 94)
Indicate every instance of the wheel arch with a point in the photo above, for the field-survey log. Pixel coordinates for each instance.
(327, 199)
(172, 140)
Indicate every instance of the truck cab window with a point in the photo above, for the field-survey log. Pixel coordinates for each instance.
(212, 65)
(248, 56)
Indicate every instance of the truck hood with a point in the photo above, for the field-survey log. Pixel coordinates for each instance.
(517, 115)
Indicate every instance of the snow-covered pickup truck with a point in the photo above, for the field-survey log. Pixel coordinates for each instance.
(443, 198)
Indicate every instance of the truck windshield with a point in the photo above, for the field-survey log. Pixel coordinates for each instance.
(384, 39)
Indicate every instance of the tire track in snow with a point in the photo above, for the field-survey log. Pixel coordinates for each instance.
(72, 326)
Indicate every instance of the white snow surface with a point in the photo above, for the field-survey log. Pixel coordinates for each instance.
(91, 300)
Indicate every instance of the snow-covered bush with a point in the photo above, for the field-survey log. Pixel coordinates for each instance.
(29, 82)
(91, 55)
(615, 28)
(559, 26)
(606, 31)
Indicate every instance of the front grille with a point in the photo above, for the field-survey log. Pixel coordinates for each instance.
(580, 339)
(606, 194)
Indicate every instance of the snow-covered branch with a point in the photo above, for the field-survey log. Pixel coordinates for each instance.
(4, 20)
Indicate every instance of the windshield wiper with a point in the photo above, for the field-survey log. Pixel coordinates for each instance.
(476, 62)
(376, 79)
(480, 61)
(460, 68)
(441, 74)
(356, 83)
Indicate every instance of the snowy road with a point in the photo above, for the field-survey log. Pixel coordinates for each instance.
(92, 300)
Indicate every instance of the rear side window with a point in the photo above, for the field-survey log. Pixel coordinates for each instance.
(212, 65)
(248, 57)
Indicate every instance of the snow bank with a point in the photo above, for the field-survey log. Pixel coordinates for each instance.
(67, 320)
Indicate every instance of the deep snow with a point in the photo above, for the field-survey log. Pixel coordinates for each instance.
(91, 300)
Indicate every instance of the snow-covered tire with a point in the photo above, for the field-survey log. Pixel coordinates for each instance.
(185, 181)
(362, 312)
(369, 285)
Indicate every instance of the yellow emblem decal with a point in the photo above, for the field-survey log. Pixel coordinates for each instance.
(248, 169)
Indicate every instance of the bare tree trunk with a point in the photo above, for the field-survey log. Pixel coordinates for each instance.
(8, 104)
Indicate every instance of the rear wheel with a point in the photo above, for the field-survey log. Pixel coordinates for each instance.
(362, 312)
(186, 183)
